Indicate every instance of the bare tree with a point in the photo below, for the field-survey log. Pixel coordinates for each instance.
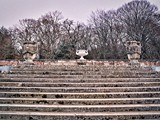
(108, 34)
(140, 23)
(23, 32)
(45, 30)
(105, 35)
(6, 46)
(75, 36)
(48, 33)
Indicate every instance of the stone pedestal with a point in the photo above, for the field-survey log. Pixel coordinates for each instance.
(134, 52)
(29, 52)
(81, 62)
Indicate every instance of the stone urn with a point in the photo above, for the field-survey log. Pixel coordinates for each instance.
(133, 51)
(29, 51)
(82, 53)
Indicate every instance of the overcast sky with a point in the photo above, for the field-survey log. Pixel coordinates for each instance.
(11, 11)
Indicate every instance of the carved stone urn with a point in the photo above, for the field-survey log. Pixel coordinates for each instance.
(133, 51)
(29, 51)
(82, 53)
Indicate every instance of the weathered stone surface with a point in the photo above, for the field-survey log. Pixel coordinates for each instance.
(98, 90)
(74, 62)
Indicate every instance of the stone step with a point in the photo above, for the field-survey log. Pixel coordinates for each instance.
(78, 67)
(79, 80)
(55, 72)
(80, 89)
(65, 92)
(79, 108)
(93, 84)
(108, 73)
(79, 95)
(75, 72)
(77, 76)
(89, 70)
(20, 115)
(82, 101)
(54, 76)
(80, 71)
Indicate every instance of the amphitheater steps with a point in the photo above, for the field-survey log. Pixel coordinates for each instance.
(79, 80)
(80, 108)
(95, 84)
(79, 93)
(81, 89)
(76, 101)
(79, 115)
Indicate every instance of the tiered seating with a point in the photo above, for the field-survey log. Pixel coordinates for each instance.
(79, 92)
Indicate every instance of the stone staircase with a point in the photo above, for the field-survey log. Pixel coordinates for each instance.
(79, 92)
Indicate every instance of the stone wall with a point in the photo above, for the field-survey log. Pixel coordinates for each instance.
(75, 62)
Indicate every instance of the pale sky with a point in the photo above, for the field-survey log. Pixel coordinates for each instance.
(11, 11)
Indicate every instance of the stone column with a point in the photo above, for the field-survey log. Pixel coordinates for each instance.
(134, 52)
